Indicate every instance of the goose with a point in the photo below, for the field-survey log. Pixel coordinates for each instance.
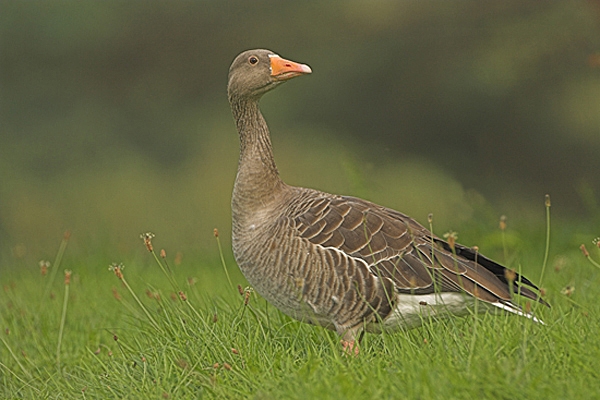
(342, 262)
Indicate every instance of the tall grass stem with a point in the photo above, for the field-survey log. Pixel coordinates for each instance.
(15, 358)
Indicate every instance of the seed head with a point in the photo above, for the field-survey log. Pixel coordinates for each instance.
(584, 251)
(178, 258)
(568, 290)
(234, 351)
(451, 238)
(20, 250)
(147, 238)
(216, 232)
(68, 276)
(227, 366)
(44, 265)
(560, 263)
(215, 318)
(510, 274)
(117, 269)
(182, 296)
(163, 253)
(596, 242)
(503, 222)
(154, 295)
(412, 282)
(547, 200)
(430, 218)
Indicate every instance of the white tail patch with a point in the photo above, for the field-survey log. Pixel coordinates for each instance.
(515, 310)
(413, 310)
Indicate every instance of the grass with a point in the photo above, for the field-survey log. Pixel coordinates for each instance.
(163, 328)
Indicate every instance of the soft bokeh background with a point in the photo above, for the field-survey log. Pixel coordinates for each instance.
(114, 118)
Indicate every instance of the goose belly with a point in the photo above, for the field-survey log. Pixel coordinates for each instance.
(295, 279)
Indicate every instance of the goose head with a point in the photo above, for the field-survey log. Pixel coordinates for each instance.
(255, 72)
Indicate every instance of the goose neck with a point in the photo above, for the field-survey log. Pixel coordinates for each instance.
(257, 179)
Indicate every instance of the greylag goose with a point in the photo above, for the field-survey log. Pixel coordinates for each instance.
(338, 261)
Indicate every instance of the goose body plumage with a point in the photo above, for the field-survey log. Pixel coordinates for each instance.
(339, 261)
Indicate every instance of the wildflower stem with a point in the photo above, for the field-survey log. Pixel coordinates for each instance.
(194, 310)
(63, 318)
(435, 281)
(168, 273)
(57, 260)
(474, 337)
(503, 235)
(594, 263)
(547, 250)
(216, 232)
(587, 255)
(139, 302)
(147, 238)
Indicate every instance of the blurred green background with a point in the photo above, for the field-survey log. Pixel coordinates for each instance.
(114, 118)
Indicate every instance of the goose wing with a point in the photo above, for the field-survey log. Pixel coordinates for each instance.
(396, 247)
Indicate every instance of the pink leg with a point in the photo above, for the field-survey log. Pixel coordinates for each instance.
(350, 347)
(350, 340)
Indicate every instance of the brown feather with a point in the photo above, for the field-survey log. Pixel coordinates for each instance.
(396, 247)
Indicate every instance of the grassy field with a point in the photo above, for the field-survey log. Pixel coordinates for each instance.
(181, 328)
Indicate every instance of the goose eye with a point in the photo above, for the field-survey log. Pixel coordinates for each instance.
(253, 60)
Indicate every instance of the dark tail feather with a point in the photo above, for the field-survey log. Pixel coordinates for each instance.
(497, 270)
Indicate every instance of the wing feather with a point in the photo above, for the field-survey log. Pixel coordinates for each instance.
(398, 248)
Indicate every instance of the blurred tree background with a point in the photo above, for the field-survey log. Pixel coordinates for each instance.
(114, 117)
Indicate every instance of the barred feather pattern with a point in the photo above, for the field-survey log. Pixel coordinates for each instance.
(342, 262)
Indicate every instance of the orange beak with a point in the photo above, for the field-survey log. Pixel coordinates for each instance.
(282, 69)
